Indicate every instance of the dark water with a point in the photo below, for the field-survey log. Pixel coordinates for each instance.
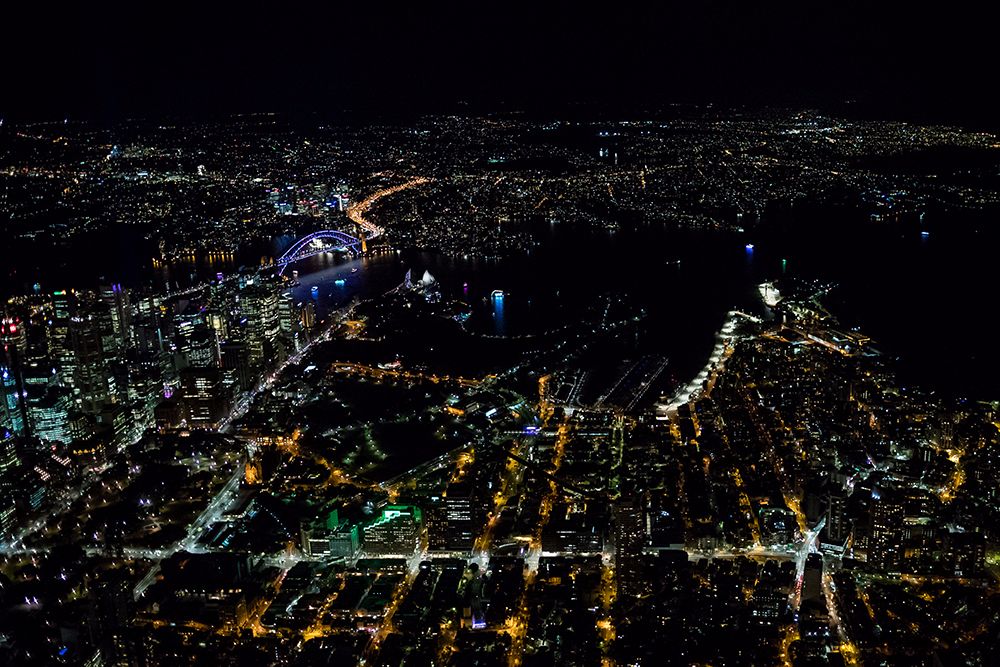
(929, 300)
(572, 272)
(926, 299)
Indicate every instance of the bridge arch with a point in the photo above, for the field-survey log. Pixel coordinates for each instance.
(302, 248)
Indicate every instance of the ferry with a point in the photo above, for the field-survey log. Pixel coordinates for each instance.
(339, 282)
(315, 290)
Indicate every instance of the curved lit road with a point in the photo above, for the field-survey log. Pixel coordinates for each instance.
(356, 212)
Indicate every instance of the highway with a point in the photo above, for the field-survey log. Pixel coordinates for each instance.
(244, 402)
(356, 212)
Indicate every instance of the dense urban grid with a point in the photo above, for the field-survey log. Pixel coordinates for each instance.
(202, 462)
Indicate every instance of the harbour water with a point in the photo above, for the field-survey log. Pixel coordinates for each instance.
(922, 289)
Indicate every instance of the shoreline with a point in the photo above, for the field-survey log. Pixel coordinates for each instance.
(696, 387)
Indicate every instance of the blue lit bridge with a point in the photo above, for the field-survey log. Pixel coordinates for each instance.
(317, 243)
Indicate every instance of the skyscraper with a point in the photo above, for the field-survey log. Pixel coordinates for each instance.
(13, 345)
(260, 309)
(116, 298)
(451, 524)
(203, 396)
(11, 403)
(199, 344)
(885, 535)
(9, 463)
(838, 527)
(89, 331)
(630, 538)
(48, 410)
(59, 345)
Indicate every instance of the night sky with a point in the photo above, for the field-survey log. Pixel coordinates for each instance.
(913, 60)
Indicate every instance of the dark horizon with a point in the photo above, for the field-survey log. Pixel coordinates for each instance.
(157, 60)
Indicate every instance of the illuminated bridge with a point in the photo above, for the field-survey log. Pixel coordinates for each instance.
(317, 243)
